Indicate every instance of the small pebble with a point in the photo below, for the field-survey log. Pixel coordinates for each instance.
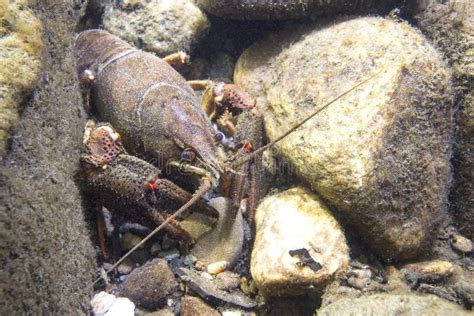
(189, 260)
(126, 266)
(461, 243)
(232, 312)
(227, 281)
(199, 265)
(129, 240)
(217, 267)
(122, 306)
(101, 303)
(207, 276)
(169, 254)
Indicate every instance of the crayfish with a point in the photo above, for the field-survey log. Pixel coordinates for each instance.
(155, 115)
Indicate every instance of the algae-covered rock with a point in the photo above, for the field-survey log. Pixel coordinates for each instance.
(21, 44)
(47, 258)
(286, 223)
(450, 25)
(388, 304)
(160, 26)
(381, 153)
(281, 10)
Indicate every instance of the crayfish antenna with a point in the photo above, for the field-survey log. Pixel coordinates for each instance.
(241, 161)
(203, 188)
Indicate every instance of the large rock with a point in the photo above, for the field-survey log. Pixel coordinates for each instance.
(160, 26)
(281, 10)
(389, 304)
(380, 154)
(450, 25)
(288, 221)
(21, 44)
(47, 258)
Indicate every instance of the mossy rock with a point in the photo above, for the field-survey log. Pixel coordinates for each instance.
(282, 10)
(450, 25)
(48, 261)
(380, 154)
(160, 26)
(21, 43)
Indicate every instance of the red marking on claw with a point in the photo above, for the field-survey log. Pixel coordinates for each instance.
(153, 186)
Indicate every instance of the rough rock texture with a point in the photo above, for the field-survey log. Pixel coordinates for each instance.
(388, 304)
(149, 285)
(21, 43)
(193, 306)
(280, 10)
(208, 290)
(46, 255)
(160, 26)
(381, 153)
(291, 220)
(450, 25)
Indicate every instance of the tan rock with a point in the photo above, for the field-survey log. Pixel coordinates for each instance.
(429, 271)
(388, 304)
(160, 26)
(380, 154)
(291, 220)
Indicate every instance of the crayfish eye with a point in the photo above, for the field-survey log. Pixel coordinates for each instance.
(188, 155)
(219, 137)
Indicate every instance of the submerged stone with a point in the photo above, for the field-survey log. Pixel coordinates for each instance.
(149, 285)
(282, 10)
(390, 304)
(381, 153)
(298, 244)
(163, 27)
(450, 25)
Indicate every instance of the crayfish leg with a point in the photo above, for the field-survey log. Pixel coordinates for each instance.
(177, 59)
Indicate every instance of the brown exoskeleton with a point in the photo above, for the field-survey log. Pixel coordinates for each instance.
(159, 117)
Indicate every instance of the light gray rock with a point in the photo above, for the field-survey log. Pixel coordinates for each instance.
(160, 26)
(381, 153)
(288, 221)
(461, 243)
(387, 304)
